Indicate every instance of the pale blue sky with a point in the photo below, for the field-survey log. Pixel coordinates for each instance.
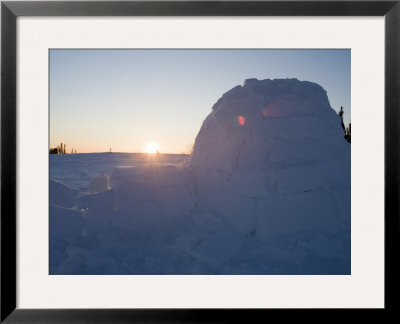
(126, 98)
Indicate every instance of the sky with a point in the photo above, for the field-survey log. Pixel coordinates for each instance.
(126, 99)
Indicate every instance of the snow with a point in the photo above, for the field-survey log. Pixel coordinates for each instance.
(65, 224)
(62, 195)
(100, 183)
(266, 191)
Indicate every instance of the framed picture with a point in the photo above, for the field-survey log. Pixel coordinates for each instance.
(242, 187)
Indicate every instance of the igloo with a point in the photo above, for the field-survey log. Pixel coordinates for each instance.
(271, 158)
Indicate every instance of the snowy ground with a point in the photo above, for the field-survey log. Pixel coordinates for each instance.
(92, 236)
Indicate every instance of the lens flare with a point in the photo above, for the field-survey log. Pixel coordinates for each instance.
(241, 120)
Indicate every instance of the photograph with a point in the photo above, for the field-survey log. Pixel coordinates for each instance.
(193, 161)
(199, 161)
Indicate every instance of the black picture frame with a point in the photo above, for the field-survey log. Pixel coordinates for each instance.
(10, 10)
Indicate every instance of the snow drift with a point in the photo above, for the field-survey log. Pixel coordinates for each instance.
(266, 190)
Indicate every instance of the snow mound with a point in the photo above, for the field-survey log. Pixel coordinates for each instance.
(100, 183)
(62, 195)
(269, 157)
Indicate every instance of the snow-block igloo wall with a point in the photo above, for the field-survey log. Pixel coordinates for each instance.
(271, 159)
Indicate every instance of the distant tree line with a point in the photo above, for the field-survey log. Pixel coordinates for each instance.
(347, 130)
(60, 149)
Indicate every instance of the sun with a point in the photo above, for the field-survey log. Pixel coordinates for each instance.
(152, 147)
